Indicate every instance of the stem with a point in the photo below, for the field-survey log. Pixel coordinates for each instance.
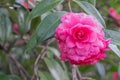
(40, 57)
(79, 74)
(69, 6)
(74, 77)
(20, 68)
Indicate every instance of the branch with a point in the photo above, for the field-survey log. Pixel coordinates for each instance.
(21, 69)
(40, 57)
(69, 5)
(74, 76)
(8, 46)
(79, 74)
(7, 49)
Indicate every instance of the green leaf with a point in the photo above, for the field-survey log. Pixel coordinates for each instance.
(90, 1)
(56, 70)
(114, 35)
(24, 24)
(7, 77)
(5, 25)
(35, 22)
(55, 51)
(7, 2)
(90, 9)
(93, 2)
(31, 44)
(101, 70)
(43, 6)
(45, 75)
(115, 49)
(57, 54)
(45, 29)
(13, 15)
(119, 68)
(4, 11)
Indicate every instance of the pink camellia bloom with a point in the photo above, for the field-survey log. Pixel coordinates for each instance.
(15, 27)
(115, 76)
(29, 4)
(81, 39)
(114, 14)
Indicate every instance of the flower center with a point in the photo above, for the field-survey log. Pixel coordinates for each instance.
(80, 34)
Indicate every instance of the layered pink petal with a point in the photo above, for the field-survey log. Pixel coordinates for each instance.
(81, 39)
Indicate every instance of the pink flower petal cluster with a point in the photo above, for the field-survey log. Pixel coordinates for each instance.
(115, 76)
(81, 39)
(28, 5)
(114, 14)
(15, 27)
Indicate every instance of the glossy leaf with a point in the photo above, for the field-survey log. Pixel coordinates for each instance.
(90, 1)
(24, 24)
(119, 68)
(6, 77)
(90, 9)
(7, 2)
(56, 70)
(45, 75)
(5, 25)
(114, 35)
(93, 2)
(45, 29)
(55, 51)
(57, 54)
(101, 70)
(35, 22)
(115, 49)
(13, 15)
(43, 6)
(31, 44)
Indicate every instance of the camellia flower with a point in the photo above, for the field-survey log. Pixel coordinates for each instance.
(114, 14)
(81, 39)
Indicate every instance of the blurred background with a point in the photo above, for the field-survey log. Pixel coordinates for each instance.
(19, 22)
